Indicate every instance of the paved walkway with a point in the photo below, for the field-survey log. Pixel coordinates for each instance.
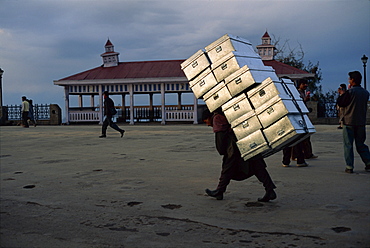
(62, 186)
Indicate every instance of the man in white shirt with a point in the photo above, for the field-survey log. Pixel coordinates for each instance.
(25, 110)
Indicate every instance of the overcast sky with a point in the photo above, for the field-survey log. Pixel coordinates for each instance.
(42, 41)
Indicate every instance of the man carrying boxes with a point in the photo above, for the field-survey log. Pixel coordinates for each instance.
(265, 114)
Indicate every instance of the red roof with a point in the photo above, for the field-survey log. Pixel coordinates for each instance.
(108, 43)
(266, 35)
(159, 69)
(283, 69)
(142, 69)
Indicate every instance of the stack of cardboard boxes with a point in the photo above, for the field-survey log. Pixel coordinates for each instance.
(265, 113)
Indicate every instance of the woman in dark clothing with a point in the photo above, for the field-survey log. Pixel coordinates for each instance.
(233, 165)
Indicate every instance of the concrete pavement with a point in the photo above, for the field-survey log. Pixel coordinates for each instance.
(62, 186)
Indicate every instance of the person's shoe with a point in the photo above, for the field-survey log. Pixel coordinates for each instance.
(367, 168)
(350, 171)
(302, 165)
(313, 156)
(340, 127)
(103, 136)
(286, 165)
(122, 133)
(269, 195)
(215, 193)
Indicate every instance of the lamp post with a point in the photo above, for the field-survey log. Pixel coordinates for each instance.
(364, 60)
(1, 88)
(2, 119)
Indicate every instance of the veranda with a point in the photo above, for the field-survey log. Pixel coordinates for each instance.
(89, 111)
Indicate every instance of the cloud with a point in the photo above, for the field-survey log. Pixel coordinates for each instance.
(43, 40)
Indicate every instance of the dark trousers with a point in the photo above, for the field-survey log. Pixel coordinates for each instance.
(256, 168)
(307, 148)
(24, 119)
(356, 134)
(109, 122)
(235, 168)
(296, 150)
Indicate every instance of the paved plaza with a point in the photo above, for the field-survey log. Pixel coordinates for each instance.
(62, 186)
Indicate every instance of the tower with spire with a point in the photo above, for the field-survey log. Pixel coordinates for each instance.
(110, 57)
(266, 50)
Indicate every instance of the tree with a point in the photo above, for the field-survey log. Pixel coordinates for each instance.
(294, 56)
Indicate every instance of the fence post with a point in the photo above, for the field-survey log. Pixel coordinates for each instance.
(3, 115)
(55, 115)
(312, 107)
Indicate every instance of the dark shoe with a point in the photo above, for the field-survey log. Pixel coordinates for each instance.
(215, 193)
(302, 165)
(350, 171)
(270, 195)
(340, 127)
(103, 136)
(312, 156)
(367, 168)
(122, 133)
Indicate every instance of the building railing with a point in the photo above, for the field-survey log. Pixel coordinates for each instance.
(83, 116)
(141, 113)
(320, 113)
(322, 110)
(179, 115)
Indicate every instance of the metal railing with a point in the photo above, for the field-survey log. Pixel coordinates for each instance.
(327, 109)
(40, 112)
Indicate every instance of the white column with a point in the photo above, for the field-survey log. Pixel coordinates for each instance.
(101, 106)
(66, 102)
(131, 91)
(163, 100)
(123, 103)
(195, 114)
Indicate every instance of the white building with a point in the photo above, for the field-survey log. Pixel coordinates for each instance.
(146, 77)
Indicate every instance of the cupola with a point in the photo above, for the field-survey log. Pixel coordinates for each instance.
(110, 57)
(266, 50)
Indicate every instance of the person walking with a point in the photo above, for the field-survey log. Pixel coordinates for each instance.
(297, 150)
(354, 103)
(233, 165)
(302, 150)
(25, 109)
(109, 112)
(31, 117)
(342, 88)
(306, 144)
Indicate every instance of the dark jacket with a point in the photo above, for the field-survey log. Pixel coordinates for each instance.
(223, 134)
(108, 106)
(354, 102)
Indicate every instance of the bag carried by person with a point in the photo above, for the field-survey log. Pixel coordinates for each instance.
(113, 111)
